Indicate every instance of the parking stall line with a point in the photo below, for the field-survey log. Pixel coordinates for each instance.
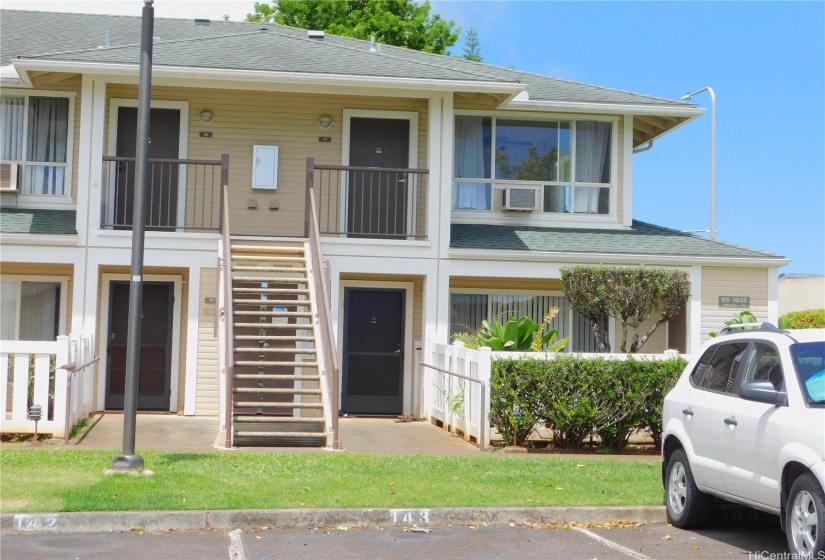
(236, 549)
(615, 546)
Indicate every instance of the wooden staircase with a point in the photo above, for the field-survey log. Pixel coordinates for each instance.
(277, 397)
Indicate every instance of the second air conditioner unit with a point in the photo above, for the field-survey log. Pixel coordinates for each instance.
(520, 199)
(8, 177)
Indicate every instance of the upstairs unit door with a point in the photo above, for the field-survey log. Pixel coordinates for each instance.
(162, 178)
(377, 201)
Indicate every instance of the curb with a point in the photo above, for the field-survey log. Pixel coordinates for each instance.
(158, 521)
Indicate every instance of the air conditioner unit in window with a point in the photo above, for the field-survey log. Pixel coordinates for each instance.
(520, 199)
(8, 177)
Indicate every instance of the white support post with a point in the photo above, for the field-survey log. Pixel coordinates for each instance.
(62, 408)
(485, 365)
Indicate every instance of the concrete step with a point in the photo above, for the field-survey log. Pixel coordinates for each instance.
(268, 249)
(287, 269)
(272, 313)
(268, 258)
(274, 338)
(274, 377)
(267, 291)
(273, 391)
(257, 404)
(280, 302)
(256, 350)
(291, 326)
(262, 363)
(270, 280)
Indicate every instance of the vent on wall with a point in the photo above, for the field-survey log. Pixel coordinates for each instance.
(8, 177)
(520, 199)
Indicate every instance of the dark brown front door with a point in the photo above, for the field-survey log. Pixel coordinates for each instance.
(154, 373)
(377, 200)
(373, 372)
(162, 179)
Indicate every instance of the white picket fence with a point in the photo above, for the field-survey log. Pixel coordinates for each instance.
(27, 363)
(461, 405)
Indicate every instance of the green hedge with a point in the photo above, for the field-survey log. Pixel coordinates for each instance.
(577, 397)
(807, 319)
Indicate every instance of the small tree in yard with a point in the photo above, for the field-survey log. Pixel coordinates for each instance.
(631, 295)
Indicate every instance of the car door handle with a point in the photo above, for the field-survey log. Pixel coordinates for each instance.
(731, 421)
(688, 411)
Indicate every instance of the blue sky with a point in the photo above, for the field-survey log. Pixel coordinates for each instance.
(765, 61)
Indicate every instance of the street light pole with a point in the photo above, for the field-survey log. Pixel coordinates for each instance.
(712, 154)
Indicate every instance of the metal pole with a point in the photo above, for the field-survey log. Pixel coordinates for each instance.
(128, 460)
(712, 93)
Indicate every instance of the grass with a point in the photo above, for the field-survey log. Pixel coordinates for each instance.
(58, 480)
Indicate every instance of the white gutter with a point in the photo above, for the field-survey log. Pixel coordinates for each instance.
(608, 108)
(225, 74)
(610, 258)
(10, 77)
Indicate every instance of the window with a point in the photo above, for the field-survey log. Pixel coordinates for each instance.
(719, 372)
(29, 310)
(570, 160)
(467, 310)
(34, 134)
(764, 365)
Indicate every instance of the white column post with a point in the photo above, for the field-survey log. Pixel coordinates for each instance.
(62, 407)
(485, 367)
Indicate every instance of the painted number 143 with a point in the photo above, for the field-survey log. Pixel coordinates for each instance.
(410, 515)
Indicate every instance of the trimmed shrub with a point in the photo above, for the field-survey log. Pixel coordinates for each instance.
(807, 319)
(578, 397)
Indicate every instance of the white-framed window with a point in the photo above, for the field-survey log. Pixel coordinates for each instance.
(36, 131)
(569, 161)
(32, 308)
(469, 307)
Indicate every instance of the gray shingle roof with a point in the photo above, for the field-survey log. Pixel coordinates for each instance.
(266, 47)
(641, 239)
(48, 222)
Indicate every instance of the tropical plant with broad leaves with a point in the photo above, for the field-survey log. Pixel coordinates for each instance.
(521, 335)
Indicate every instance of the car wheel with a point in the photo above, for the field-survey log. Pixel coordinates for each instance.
(805, 518)
(685, 504)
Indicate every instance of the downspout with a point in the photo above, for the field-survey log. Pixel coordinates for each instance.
(645, 148)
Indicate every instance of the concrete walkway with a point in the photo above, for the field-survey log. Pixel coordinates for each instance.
(170, 432)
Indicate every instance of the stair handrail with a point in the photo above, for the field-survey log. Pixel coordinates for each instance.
(325, 331)
(225, 270)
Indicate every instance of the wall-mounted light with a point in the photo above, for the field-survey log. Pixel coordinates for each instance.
(206, 116)
(325, 121)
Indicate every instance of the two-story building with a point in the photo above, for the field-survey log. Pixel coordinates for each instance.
(443, 192)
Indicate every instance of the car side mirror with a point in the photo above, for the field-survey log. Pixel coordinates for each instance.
(763, 391)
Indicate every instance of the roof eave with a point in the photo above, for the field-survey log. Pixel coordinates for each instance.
(510, 89)
(612, 258)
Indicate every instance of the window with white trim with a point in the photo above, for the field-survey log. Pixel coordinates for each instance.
(569, 162)
(468, 309)
(30, 309)
(34, 136)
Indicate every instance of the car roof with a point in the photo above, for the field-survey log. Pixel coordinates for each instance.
(769, 332)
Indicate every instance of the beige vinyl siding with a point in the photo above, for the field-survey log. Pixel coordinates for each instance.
(287, 120)
(59, 82)
(732, 281)
(31, 271)
(207, 391)
(418, 295)
(656, 344)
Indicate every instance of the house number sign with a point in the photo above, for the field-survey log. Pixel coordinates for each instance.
(410, 515)
(735, 301)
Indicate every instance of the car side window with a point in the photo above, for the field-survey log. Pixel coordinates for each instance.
(724, 366)
(764, 365)
(702, 367)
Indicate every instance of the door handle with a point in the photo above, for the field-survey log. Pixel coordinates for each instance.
(731, 421)
(687, 411)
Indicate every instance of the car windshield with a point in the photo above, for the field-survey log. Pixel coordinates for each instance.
(809, 361)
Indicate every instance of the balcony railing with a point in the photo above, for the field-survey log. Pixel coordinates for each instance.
(368, 202)
(183, 194)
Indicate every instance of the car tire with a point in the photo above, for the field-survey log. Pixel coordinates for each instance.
(685, 504)
(805, 518)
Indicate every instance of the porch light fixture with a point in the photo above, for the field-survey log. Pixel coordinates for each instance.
(687, 97)
(325, 121)
(206, 116)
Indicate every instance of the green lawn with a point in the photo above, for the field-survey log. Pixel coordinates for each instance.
(54, 480)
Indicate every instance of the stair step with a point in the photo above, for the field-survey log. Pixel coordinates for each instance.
(291, 326)
(259, 290)
(275, 377)
(253, 434)
(284, 302)
(256, 404)
(260, 418)
(270, 280)
(273, 313)
(274, 391)
(268, 269)
(262, 363)
(267, 258)
(274, 338)
(268, 248)
(256, 350)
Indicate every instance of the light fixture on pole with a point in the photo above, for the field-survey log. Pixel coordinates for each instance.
(712, 154)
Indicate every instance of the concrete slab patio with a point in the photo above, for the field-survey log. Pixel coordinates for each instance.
(170, 432)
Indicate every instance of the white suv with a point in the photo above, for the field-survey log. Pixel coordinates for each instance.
(746, 423)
